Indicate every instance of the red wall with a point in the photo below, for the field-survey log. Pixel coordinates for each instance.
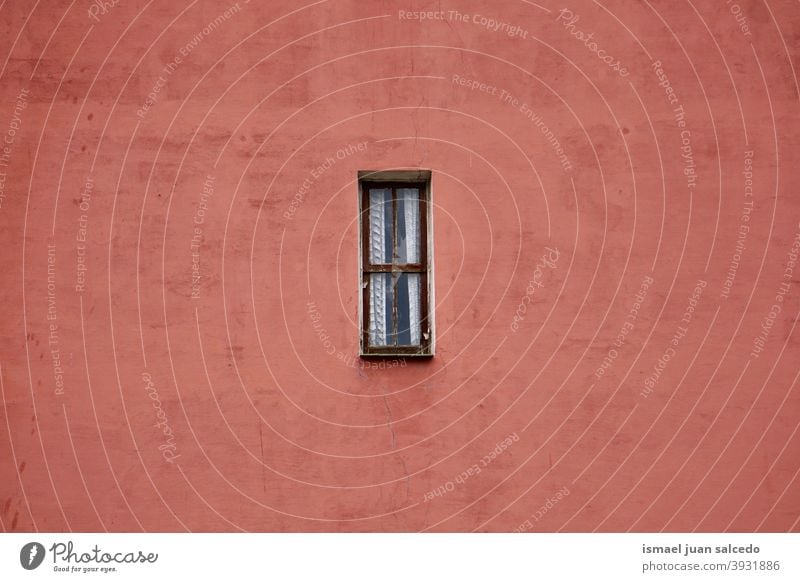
(165, 228)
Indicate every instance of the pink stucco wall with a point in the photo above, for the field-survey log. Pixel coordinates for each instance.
(616, 301)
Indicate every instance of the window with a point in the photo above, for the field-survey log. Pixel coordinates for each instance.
(395, 264)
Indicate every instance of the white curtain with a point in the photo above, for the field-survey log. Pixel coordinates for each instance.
(410, 198)
(378, 334)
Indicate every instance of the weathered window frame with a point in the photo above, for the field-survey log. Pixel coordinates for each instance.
(420, 179)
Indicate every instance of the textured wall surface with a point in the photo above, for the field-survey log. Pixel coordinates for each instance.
(616, 225)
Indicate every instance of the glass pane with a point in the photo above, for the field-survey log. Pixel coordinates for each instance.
(381, 226)
(381, 300)
(408, 309)
(408, 227)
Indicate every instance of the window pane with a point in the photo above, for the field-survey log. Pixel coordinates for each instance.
(381, 297)
(381, 226)
(408, 309)
(408, 227)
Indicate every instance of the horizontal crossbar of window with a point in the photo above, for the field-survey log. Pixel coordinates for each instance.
(410, 268)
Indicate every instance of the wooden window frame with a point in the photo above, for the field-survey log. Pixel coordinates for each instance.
(395, 181)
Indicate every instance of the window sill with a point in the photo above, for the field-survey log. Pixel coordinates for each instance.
(395, 354)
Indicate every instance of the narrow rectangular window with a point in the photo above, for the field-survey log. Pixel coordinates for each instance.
(395, 265)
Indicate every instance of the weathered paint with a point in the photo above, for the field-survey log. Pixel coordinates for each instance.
(191, 363)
